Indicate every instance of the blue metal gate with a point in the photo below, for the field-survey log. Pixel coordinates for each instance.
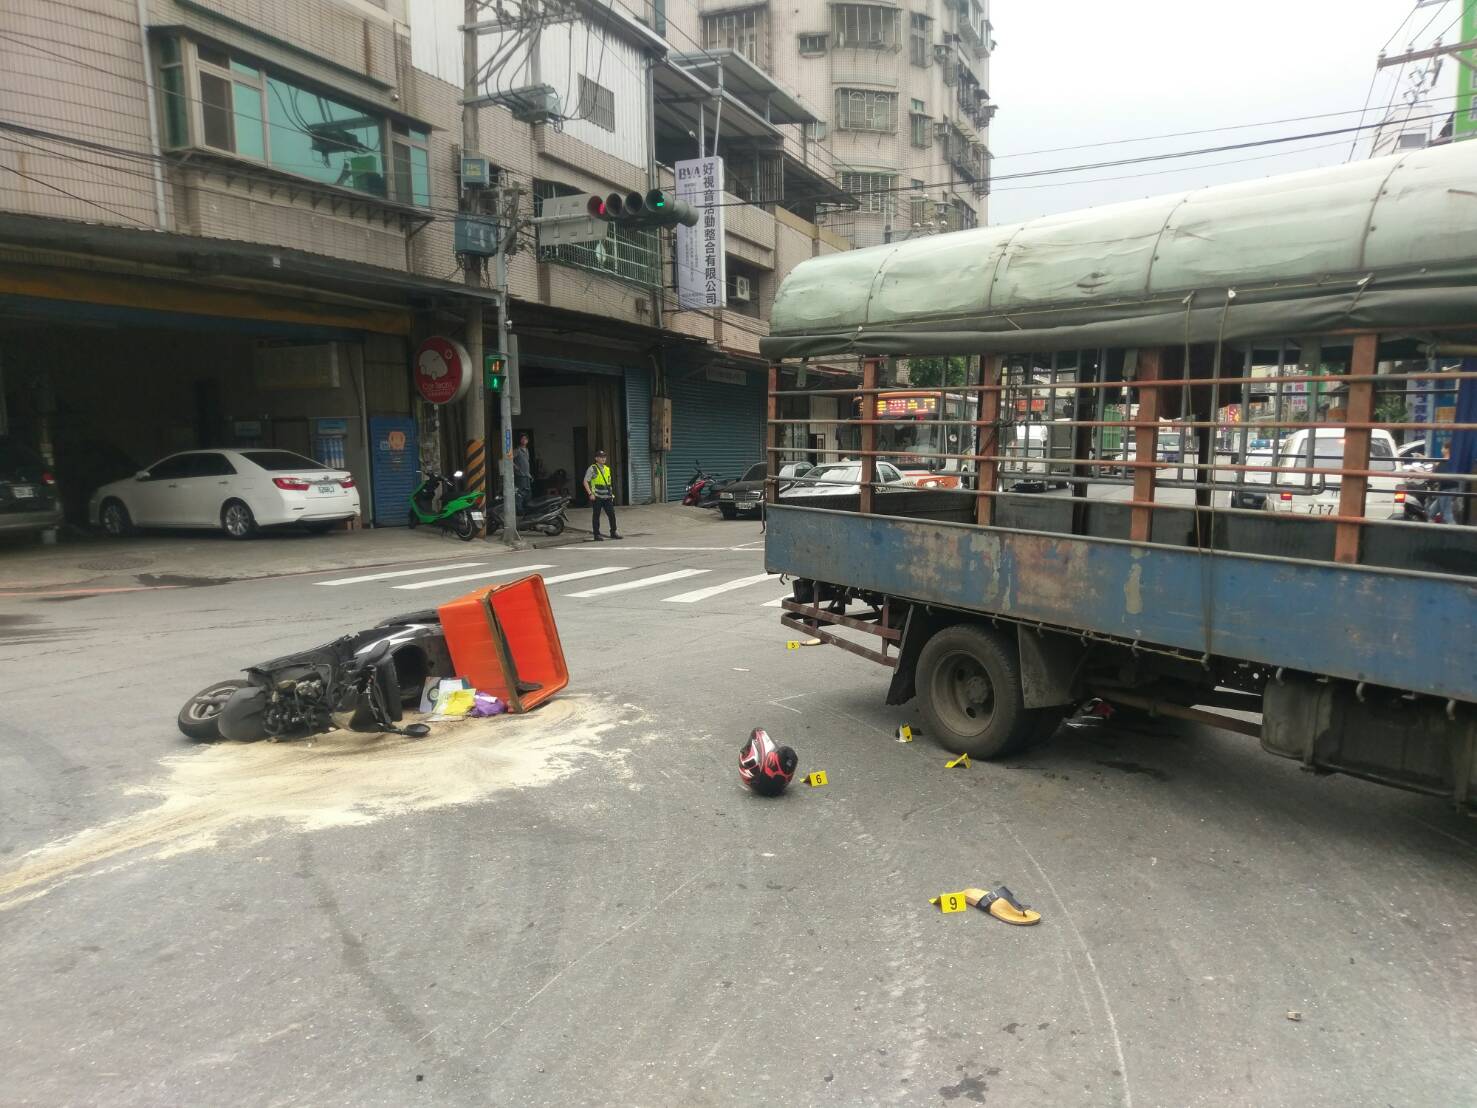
(638, 434)
(715, 422)
(393, 464)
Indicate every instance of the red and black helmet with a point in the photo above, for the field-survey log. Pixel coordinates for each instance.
(764, 767)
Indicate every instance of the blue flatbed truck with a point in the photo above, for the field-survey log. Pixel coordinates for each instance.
(1255, 592)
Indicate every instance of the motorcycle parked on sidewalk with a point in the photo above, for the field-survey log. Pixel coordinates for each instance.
(544, 513)
(446, 502)
(702, 489)
(361, 682)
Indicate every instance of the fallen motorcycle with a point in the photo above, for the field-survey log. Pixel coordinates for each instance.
(361, 681)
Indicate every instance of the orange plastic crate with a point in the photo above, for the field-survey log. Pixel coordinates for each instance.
(504, 641)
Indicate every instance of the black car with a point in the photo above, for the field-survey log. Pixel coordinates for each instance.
(746, 495)
(29, 503)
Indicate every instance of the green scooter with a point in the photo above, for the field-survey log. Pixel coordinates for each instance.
(459, 511)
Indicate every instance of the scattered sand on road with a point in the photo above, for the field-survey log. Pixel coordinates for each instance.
(340, 779)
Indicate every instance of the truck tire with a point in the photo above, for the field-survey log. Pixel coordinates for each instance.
(969, 692)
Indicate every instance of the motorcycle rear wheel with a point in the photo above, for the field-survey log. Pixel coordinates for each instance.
(462, 524)
(199, 719)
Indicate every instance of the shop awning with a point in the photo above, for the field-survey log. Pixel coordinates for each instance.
(1386, 242)
(194, 275)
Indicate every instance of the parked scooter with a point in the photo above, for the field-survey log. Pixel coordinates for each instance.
(543, 513)
(1421, 501)
(447, 503)
(361, 681)
(702, 489)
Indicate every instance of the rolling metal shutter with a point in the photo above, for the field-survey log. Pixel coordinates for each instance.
(715, 423)
(638, 434)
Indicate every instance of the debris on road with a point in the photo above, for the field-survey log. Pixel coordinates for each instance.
(1296, 1017)
(764, 767)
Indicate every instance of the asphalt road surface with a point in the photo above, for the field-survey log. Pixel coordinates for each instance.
(583, 906)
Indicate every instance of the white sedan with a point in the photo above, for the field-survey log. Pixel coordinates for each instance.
(839, 479)
(238, 491)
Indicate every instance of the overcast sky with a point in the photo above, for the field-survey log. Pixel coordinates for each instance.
(1071, 72)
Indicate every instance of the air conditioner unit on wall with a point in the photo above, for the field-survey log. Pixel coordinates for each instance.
(742, 290)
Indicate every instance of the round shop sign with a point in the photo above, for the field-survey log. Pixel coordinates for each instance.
(443, 371)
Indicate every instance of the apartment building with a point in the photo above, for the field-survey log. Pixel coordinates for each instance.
(900, 91)
(232, 223)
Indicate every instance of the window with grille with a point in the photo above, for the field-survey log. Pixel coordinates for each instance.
(865, 110)
(597, 104)
(866, 26)
(874, 190)
(964, 216)
(743, 32)
(813, 44)
(918, 208)
(921, 127)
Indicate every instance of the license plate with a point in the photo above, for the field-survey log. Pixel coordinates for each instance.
(327, 489)
(478, 517)
(22, 492)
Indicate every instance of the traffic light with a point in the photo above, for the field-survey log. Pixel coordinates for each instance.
(631, 209)
(495, 371)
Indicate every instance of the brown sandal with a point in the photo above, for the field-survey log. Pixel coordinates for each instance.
(1003, 905)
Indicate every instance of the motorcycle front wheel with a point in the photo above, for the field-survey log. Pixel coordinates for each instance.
(462, 524)
(200, 717)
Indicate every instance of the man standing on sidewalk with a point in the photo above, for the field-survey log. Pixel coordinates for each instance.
(602, 495)
(522, 474)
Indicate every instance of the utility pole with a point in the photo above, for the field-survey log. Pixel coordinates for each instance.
(507, 235)
(476, 400)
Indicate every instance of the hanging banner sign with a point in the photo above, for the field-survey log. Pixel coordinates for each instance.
(702, 275)
(443, 371)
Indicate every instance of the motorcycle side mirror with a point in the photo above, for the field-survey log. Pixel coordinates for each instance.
(416, 730)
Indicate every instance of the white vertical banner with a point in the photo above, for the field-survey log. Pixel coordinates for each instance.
(702, 274)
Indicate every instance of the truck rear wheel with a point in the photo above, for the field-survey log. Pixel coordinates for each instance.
(969, 692)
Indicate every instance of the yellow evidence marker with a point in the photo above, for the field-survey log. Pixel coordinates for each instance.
(950, 902)
(904, 734)
(960, 762)
(792, 645)
(817, 779)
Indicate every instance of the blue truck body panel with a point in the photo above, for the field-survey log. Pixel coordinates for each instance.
(1409, 631)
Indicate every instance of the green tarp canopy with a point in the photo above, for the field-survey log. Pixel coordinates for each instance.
(1390, 242)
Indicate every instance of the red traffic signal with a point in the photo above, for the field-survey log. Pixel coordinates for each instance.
(597, 209)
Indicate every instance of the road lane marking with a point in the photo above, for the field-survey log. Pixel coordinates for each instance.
(473, 577)
(708, 549)
(777, 602)
(660, 578)
(583, 573)
(398, 573)
(713, 590)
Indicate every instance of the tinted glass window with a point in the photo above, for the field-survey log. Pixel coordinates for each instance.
(888, 473)
(169, 468)
(278, 461)
(18, 463)
(211, 465)
(756, 473)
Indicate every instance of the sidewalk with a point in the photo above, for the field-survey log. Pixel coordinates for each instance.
(204, 558)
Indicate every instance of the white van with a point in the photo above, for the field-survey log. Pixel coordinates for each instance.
(1313, 493)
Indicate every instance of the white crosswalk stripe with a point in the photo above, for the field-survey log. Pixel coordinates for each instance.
(504, 572)
(640, 583)
(583, 573)
(714, 590)
(399, 573)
